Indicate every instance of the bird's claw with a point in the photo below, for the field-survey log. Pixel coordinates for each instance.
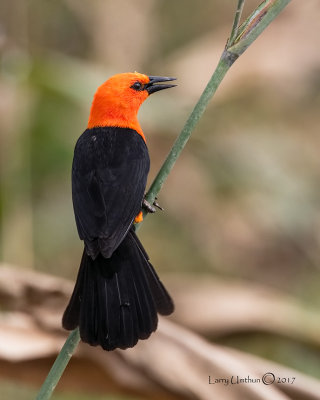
(156, 204)
(146, 205)
(151, 207)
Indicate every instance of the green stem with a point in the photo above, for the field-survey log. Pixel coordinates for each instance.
(235, 26)
(256, 23)
(222, 68)
(59, 366)
(247, 33)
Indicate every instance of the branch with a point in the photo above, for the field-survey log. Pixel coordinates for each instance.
(256, 23)
(249, 31)
(181, 141)
(59, 365)
(235, 26)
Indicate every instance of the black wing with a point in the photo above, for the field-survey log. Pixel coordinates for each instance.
(109, 174)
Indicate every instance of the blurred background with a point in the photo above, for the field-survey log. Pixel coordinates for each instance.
(242, 205)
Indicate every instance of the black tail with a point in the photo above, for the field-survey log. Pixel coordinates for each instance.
(116, 300)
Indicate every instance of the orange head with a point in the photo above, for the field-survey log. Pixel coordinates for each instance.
(117, 101)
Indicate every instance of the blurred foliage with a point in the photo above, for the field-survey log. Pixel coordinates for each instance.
(243, 200)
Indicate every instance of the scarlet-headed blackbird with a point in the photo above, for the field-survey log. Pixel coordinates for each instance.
(118, 294)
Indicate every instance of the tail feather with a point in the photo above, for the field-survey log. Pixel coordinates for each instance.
(88, 323)
(161, 297)
(102, 311)
(143, 291)
(128, 336)
(115, 301)
(70, 319)
(108, 302)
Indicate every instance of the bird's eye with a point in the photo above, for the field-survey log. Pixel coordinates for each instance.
(137, 86)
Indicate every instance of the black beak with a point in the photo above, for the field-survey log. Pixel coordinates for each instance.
(151, 87)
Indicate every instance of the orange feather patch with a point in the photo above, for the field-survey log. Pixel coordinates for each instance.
(115, 103)
(138, 218)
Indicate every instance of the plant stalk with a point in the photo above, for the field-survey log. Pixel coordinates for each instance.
(223, 66)
(256, 23)
(59, 366)
(235, 26)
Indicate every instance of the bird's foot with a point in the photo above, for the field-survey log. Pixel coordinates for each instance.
(151, 207)
(156, 204)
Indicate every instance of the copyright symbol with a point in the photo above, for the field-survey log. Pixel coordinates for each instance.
(268, 378)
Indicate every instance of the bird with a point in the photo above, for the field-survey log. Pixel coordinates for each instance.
(117, 294)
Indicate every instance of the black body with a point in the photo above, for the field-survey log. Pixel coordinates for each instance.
(117, 294)
(109, 175)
